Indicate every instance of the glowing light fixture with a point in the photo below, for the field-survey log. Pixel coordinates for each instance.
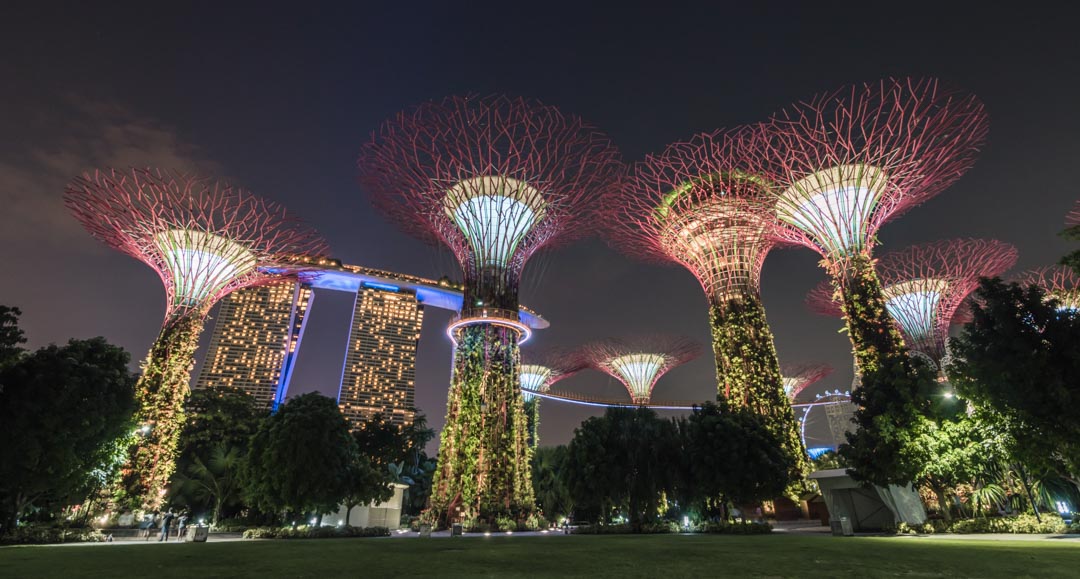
(494, 214)
(202, 263)
(914, 305)
(834, 206)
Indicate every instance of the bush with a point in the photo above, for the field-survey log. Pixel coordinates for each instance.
(305, 532)
(662, 527)
(44, 535)
(506, 524)
(745, 528)
(1020, 524)
(231, 526)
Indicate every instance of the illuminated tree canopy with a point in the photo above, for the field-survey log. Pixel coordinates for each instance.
(639, 362)
(494, 179)
(848, 161)
(204, 239)
(1059, 283)
(799, 377)
(542, 369)
(925, 286)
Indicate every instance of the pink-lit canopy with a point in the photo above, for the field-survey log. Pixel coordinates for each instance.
(205, 239)
(640, 361)
(801, 376)
(846, 162)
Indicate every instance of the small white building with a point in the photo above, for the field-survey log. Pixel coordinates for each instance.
(386, 514)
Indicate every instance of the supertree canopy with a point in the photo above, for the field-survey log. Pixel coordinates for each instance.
(538, 372)
(493, 179)
(640, 361)
(205, 240)
(1059, 282)
(701, 205)
(799, 377)
(847, 162)
(925, 287)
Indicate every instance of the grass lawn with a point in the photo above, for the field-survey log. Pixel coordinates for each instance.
(554, 556)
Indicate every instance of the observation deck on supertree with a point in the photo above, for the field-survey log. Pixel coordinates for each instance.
(204, 239)
(702, 205)
(640, 361)
(846, 162)
(925, 286)
(493, 179)
(1059, 282)
(539, 372)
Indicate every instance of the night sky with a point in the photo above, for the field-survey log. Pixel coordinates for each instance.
(279, 100)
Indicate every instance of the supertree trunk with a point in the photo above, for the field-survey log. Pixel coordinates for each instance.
(748, 371)
(532, 416)
(160, 394)
(484, 451)
(873, 334)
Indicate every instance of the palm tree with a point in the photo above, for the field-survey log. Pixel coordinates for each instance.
(215, 481)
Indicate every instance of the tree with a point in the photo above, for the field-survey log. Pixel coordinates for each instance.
(11, 335)
(301, 459)
(214, 481)
(1018, 358)
(62, 410)
(552, 496)
(732, 455)
(893, 402)
(367, 484)
(624, 459)
(954, 450)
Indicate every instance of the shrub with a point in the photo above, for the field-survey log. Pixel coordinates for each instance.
(44, 535)
(306, 532)
(662, 527)
(745, 528)
(1020, 524)
(506, 524)
(230, 526)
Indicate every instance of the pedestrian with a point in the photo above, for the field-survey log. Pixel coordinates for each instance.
(165, 522)
(180, 524)
(148, 525)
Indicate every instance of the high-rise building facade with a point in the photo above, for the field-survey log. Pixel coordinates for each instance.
(255, 341)
(379, 374)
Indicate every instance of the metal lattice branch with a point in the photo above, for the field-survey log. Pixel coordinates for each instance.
(926, 286)
(699, 204)
(1072, 219)
(801, 376)
(1059, 282)
(848, 161)
(541, 369)
(204, 239)
(495, 179)
(639, 362)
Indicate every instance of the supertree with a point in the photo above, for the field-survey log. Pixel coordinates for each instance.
(539, 370)
(204, 239)
(1059, 282)
(848, 161)
(638, 362)
(699, 204)
(925, 286)
(799, 377)
(494, 179)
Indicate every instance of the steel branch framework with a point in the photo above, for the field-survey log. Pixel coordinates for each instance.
(1059, 282)
(494, 179)
(700, 205)
(846, 162)
(640, 361)
(204, 239)
(926, 286)
(799, 377)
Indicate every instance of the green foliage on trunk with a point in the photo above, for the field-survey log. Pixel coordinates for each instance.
(532, 416)
(872, 331)
(748, 372)
(160, 395)
(484, 451)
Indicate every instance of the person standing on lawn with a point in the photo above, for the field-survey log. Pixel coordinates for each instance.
(165, 522)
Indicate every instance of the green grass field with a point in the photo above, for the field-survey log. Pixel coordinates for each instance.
(554, 556)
